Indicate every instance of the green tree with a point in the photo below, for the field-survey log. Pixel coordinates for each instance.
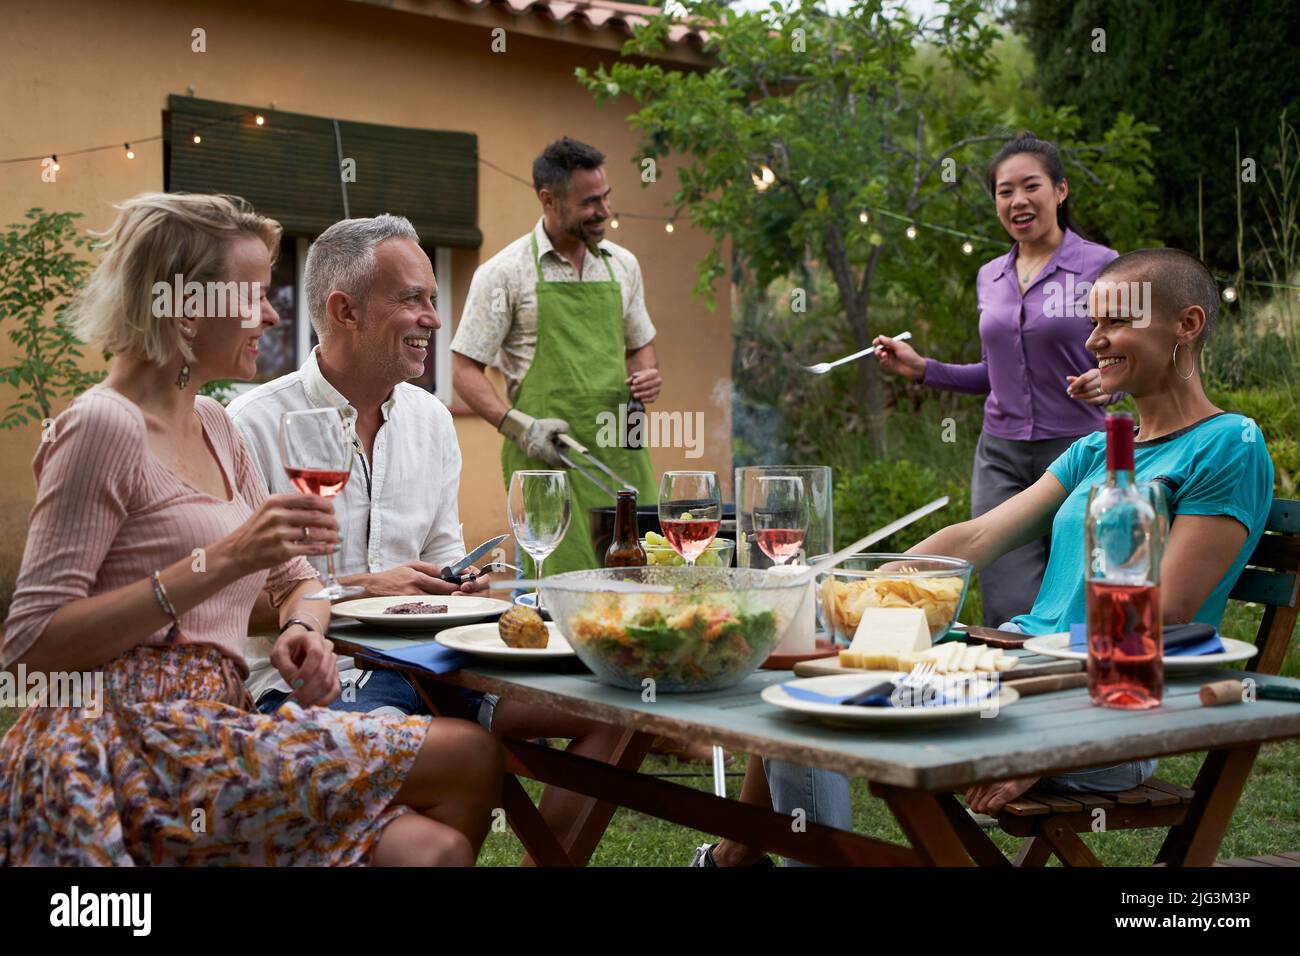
(1203, 72)
(41, 270)
(808, 120)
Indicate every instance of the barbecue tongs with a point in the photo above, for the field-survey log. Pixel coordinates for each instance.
(580, 451)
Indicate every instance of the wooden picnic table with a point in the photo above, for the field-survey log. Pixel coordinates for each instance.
(916, 770)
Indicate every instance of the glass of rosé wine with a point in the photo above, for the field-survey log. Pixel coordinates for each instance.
(690, 511)
(780, 517)
(316, 449)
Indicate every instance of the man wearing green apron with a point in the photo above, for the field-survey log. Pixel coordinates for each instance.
(561, 313)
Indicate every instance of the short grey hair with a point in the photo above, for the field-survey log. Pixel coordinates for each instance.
(343, 258)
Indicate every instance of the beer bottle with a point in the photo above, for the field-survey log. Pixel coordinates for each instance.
(625, 549)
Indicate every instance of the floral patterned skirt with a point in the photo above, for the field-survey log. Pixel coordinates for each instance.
(176, 771)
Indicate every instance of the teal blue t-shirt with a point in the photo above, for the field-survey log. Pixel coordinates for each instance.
(1218, 466)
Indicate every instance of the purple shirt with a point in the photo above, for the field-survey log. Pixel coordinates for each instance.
(1029, 344)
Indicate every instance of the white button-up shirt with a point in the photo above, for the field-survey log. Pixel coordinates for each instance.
(400, 506)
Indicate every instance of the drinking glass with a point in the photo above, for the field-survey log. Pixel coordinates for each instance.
(780, 513)
(317, 451)
(540, 511)
(690, 511)
(817, 484)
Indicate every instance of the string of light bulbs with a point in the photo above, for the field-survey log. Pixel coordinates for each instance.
(763, 180)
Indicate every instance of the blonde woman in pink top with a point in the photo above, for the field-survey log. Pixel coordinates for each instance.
(151, 536)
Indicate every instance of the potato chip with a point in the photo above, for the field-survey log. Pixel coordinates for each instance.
(846, 600)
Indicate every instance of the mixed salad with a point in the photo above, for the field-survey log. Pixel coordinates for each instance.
(680, 648)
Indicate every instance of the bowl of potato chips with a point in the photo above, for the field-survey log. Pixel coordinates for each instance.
(935, 584)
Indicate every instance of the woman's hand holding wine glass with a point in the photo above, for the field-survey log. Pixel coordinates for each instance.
(283, 527)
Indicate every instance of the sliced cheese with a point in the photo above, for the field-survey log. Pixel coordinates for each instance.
(891, 630)
(971, 657)
(988, 660)
(1006, 662)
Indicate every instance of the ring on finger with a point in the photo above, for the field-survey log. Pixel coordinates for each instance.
(306, 534)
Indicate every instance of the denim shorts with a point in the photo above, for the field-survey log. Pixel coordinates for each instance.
(387, 692)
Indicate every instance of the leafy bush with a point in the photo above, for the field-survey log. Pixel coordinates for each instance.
(1276, 413)
(41, 271)
(882, 491)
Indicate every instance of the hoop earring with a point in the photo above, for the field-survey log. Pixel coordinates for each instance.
(1189, 375)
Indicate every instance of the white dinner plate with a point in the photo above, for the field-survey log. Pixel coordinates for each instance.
(461, 609)
(1234, 652)
(485, 641)
(839, 685)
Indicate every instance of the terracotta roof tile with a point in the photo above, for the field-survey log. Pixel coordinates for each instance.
(595, 14)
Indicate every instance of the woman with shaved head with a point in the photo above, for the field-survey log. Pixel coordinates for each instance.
(1151, 313)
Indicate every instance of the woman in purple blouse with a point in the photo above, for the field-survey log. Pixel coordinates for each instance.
(1042, 384)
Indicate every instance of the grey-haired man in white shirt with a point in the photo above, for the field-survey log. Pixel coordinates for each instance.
(372, 296)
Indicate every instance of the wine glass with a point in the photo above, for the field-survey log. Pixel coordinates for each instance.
(780, 517)
(540, 510)
(690, 511)
(317, 451)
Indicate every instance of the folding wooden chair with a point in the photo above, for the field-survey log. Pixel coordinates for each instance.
(1051, 821)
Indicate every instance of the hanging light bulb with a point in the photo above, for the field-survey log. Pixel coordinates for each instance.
(613, 223)
(864, 217)
(54, 162)
(259, 119)
(911, 231)
(130, 153)
(967, 247)
(197, 139)
(764, 178)
(1229, 290)
(668, 226)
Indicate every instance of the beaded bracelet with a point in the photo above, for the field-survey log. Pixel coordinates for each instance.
(160, 594)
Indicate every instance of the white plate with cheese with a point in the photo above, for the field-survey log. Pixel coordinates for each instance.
(845, 716)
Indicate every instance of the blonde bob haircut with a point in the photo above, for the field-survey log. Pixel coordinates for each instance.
(156, 237)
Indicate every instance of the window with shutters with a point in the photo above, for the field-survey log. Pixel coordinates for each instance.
(308, 172)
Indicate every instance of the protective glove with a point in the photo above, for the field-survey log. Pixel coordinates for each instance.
(534, 436)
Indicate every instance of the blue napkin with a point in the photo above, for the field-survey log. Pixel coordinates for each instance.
(432, 657)
(1183, 640)
(800, 693)
(883, 697)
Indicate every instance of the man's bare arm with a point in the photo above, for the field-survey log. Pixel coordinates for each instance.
(470, 381)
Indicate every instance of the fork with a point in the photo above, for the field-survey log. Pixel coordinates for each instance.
(915, 680)
(821, 368)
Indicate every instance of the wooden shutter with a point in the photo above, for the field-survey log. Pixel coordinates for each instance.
(289, 168)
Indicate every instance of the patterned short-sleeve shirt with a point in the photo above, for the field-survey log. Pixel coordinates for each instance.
(498, 326)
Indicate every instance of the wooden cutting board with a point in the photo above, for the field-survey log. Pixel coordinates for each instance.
(829, 666)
